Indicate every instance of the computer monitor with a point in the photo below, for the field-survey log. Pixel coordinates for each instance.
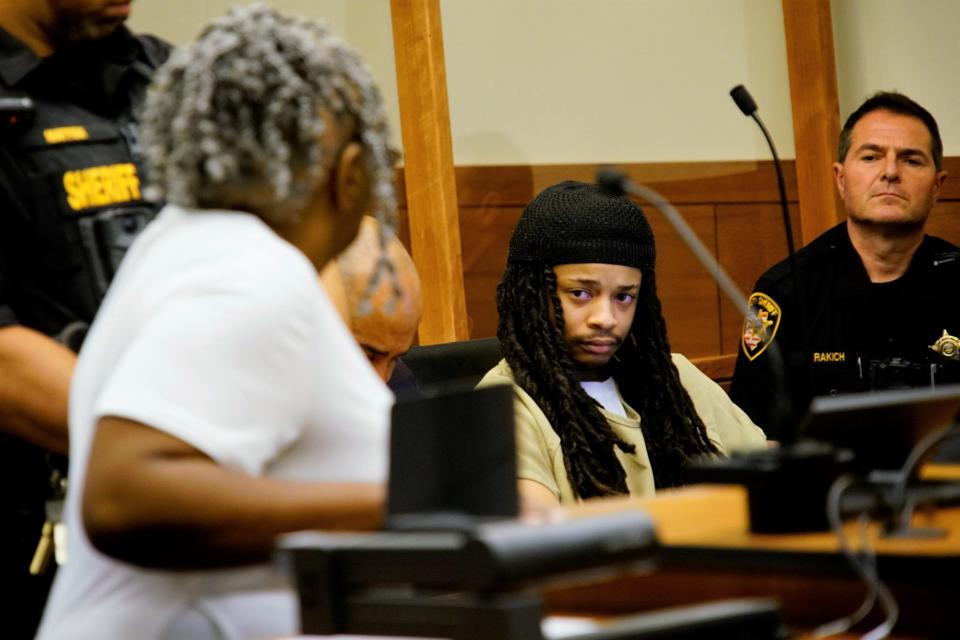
(452, 458)
(881, 428)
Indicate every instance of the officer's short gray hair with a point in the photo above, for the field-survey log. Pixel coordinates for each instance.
(238, 115)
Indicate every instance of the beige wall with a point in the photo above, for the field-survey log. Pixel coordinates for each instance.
(179, 20)
(542, 81)
(556, 81)
(909, 45)
(365, 24)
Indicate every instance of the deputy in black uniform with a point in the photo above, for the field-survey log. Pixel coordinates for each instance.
(877, 294)
(71, 81)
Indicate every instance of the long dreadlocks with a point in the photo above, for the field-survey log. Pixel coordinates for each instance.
(531, 335)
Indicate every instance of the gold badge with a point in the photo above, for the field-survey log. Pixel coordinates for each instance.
(948, 346)
(759, 331)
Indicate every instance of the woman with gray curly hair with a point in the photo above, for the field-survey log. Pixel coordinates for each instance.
(219, 400)
(232, 121)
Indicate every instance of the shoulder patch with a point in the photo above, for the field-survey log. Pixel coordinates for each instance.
(58, 135)
(759, 333)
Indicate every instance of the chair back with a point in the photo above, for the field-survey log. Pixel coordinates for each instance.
(463, 363)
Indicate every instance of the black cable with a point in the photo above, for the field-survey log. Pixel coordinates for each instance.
(917, 454)
(864, 566)
(842, 625)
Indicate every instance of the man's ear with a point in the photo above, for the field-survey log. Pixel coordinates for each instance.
(838, 177)
(941, 177)
(351, 186)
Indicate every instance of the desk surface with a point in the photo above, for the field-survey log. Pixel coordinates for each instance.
(716, 516)
(709, 553)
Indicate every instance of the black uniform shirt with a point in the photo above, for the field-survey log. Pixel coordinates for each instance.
(860, 335)
(77, 157)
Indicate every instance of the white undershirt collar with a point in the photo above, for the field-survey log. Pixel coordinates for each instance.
(605, 392)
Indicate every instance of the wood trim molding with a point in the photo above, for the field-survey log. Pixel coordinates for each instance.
(808, 29)
(679, 182)
(733, 206)
(431, 192)
(951, 186)
(717, 368)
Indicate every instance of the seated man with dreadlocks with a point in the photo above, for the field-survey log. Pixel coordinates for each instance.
(602, 408)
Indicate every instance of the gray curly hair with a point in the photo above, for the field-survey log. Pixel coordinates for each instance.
(240, 113)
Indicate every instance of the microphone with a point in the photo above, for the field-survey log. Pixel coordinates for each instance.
(743, 99)
(786, 486)
(617, 183)
(748, 106)
(786, 422)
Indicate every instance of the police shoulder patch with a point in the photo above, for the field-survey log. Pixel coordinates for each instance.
(760, 329)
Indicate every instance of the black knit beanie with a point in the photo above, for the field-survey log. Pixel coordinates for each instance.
(577, 223)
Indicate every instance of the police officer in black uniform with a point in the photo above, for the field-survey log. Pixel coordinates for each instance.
(876, 293)
(71, 81)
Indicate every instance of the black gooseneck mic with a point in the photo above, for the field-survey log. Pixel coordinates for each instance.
(615, 181)
(786, 427)
(748, 106)
(786, 486)
(746, 103)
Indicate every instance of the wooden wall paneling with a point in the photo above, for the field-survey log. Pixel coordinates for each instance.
(683, 289)
(689, 297)
(430, 194)
(679, 182)
(485, 233)
(733, 206)
(492, 197)
(944, 221)
(951, 187)
(713, 182)
(808, 30)
(717, 368)
(750, 240)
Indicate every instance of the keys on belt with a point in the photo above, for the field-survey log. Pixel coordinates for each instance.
(53, 543)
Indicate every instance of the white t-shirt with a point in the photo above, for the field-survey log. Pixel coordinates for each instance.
(219, 333)
(605, 392)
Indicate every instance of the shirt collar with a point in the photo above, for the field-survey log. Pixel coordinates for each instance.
(856, 282)
(16, 59)
(118, 50)
(853, 282)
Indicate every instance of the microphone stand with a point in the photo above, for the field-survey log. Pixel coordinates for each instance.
(786, 423)
(787, 485)
(746, 104)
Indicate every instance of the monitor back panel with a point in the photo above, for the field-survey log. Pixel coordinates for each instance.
(453, 451)
(881, 428)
